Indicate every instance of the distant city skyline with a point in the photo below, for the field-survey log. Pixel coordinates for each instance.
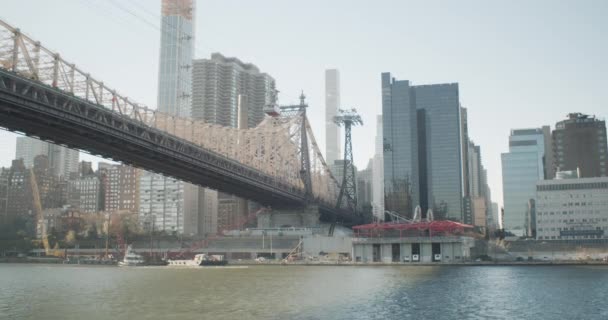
(510, 59)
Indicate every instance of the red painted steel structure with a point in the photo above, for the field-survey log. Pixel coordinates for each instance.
(433, 227)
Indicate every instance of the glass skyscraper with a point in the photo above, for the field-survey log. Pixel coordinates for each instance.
(423, 156)
(440, 146)
(522, 168)
(399, 119)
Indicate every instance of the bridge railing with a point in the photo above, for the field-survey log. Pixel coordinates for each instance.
(21, 54)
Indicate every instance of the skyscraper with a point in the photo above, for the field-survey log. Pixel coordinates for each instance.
(62, 161)
(522, 168)
(423, 148)
(162, 198)
(364, 188)
(231, 93)
(176, 53)
(400, 135)
(28, 148)
(441, 148)
(378, 173)
(579, 142)
(217, 84)
(332, 104)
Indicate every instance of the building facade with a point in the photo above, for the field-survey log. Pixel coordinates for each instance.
(18, 193)
(580, 143)
(176, 54)
(62, 161)
(337, 169)
(522, 168)
(162, 198)
(440, 143)
(217, 83)
(28, 148)
(231, 93)
(332, 104)
(572, 209)
(121, 188)
(4, 173)
(412, 249)
(161, 202)
(424, 158)
(365, 187)
(86, 190)
(378, 173)
(400, 146)
(494, 218)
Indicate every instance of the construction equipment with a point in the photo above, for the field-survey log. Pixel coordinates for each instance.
(37, 204)
(296, 252)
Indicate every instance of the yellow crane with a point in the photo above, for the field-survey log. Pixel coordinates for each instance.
(56, 252)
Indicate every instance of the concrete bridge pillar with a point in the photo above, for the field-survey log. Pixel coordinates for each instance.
(302, 217)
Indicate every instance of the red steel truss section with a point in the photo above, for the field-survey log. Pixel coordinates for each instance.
(439, 226)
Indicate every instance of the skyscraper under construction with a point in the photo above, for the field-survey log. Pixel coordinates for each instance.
(162, 198)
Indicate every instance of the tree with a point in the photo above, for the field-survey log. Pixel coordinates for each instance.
(70, 238)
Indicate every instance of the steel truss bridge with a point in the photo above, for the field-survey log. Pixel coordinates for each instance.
(278, 163)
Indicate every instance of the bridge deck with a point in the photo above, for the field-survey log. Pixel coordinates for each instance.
(52, 115)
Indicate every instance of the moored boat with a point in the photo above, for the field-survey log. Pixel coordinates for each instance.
(200, 260)
(132, 259)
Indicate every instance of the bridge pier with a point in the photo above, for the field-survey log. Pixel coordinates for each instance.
(302, 217)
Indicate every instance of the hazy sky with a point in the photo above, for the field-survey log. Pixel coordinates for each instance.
(519, 63)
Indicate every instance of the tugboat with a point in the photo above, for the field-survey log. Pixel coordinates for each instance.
(131, 259)
(200, 260)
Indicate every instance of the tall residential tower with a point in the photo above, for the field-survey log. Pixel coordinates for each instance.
(332, 104)
(162, 198)
(231, 93)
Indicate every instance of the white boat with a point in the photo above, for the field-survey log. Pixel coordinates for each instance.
(200, 260)
(131, 259)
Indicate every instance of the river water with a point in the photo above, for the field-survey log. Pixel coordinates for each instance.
(30, 291)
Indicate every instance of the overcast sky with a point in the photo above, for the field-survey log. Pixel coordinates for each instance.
(518, 63)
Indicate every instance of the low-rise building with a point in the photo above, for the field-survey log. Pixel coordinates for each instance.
(412, 242)
(412, 249)
(572, 209)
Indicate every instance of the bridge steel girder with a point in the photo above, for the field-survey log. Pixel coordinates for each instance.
(53, 115)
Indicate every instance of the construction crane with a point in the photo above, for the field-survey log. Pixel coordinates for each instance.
(37, 204)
